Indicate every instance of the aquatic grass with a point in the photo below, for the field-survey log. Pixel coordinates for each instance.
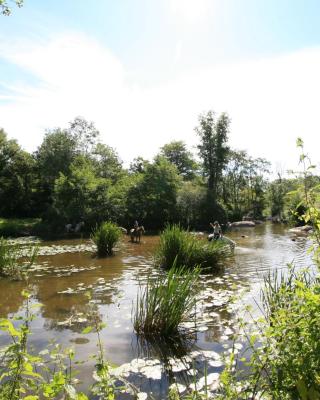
(15, 259)
(180, 246)
(165, 302)
(105, 237)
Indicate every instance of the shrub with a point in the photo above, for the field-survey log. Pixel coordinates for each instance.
(15, 259)
(106, 237)
(17, 227)
(181, 247)
(165, 301)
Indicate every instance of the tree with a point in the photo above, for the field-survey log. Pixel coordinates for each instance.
(85, 135)
(213, 149)
(107, 162)
(81, 194)
(54, 156)
(258, 168)
(5, 8)
(190, 199)
(138, 165)
(235, 182)
(153, 198)
(17, 179)
(177, 153)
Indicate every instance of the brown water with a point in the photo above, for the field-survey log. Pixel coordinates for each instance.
(67, 270)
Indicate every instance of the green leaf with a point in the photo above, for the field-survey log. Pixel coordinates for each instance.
(86, 330)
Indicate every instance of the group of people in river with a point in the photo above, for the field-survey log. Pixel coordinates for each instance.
(217, 231)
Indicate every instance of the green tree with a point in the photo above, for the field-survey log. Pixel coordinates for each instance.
(213, 149)
(80, 194)
(176, 152)
(153, 198)
(17, 179)
(190, 198)
(235, 183)
(258, 168)
(85, 135)
(54, 156)
(138, 165)
(107, 162)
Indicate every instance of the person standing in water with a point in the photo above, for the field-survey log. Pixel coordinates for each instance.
(217, 231)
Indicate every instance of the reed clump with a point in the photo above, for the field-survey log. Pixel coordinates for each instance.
(105, 237)
(15, 259)
(180, 246)
(165, 302)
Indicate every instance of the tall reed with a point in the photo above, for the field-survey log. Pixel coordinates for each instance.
(165, 302)
(106, 236)
(178, 245)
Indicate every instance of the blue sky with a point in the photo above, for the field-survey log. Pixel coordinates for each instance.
(144, 69)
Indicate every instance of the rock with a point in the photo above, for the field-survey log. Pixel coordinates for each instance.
(242, 224)
(301, 229)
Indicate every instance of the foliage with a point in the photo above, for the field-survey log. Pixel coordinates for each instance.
(165, 301)
(73, 176)
(190, 199)
(15, 259)
(213, 149)
(17, 227)
(138, 165)
(106, 236)
(181, 248)
(84, 134)
(16, 179)
(153, 198)
(80, 194)
(107, 163)
(50, 373)
(177, 153)
(284, 350)
(5, 7)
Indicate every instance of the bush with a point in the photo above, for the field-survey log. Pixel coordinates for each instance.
(17, 227)
(164, 303)
(11, 263)
(182, 248)
(106, 237)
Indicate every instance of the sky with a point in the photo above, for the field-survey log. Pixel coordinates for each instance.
(144, 70)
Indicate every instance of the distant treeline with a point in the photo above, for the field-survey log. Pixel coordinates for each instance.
(73, 176)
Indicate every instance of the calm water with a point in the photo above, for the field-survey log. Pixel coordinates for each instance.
(67, 270)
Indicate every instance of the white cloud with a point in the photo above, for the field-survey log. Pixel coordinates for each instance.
(190, 12)
(270, 101)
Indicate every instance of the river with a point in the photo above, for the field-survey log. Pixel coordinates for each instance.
(67, 270)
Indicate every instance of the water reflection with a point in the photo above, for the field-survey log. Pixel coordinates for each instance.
(61, 280)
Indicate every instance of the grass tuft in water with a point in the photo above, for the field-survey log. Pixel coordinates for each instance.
(179, 246)
(106, 236)
(15, 259)
(165, 302)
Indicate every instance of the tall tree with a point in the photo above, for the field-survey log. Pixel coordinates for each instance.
(16, 179)
(213, 149)
(176, 152)
(85, 134)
